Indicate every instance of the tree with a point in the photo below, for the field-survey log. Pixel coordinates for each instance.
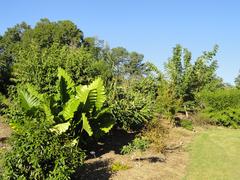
(186, 79)
(9, 45)
(237, 81)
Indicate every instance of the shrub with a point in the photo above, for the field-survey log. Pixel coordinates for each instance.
(186, 123)
(40, 154)
(3, 104)
(221, 106)
(118, 166)
(155, 133)
(138, 144)
(132, 107)
(220, 100)
(229, 117)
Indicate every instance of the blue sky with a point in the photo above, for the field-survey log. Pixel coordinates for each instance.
(150, 27)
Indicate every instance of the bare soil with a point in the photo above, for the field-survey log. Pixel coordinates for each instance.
(148, 165)
(5, 132)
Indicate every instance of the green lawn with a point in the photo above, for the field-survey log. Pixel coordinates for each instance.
(215, 155)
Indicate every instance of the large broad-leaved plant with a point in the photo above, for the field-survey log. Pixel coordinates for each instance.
(73, 110)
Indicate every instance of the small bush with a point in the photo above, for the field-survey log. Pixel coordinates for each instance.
(40, 154)
(137, 144)
(187, 124)
(201, 119)
(132, 110)
(118, 166)
(155, 133)
(3, 104)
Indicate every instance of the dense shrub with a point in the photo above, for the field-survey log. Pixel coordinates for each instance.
(156, 134)
(221, 99)
(38, 153)
(222, 106)
(132, 105)
(228, 117)
(186, 123)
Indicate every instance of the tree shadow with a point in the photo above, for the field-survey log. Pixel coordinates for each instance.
(152, 159)
(113, 142)
(96, 170)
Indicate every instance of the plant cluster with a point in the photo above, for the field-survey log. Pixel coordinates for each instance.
(37, 153)
(137, 144)
(222, 106)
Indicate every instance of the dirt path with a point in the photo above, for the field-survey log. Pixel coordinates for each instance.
(5, 132)
(145, 166)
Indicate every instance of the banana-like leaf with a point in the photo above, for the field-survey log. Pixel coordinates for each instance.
(46, 105)
(101, 97)
(60, 128)
(63, 74)
(105, 120)
(91, 101)
(27, 101)
(87, 96)
(86, 125)
(33, 91)
(65, 86)
(70, 108)
(82, 93)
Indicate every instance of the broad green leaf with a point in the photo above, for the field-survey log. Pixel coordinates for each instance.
(87, 96)
(63, 74)
(65, 86)
(28, 101)
(86, 125)
(101, 97)
(33, 91)
(82, 93)
(60, 128)
(106, 125)
(71, 107)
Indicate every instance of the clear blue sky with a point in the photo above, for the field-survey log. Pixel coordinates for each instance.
(151, 27)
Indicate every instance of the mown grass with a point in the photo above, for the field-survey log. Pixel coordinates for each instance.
(214, 155)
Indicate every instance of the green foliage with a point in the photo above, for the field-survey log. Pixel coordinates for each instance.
(220, 99)
(132, 108)
(137, 144)
(228, 117)
(42, 65)
(186, 123)
(9, 45)
(237, 81)
(166, 103)
(118, 166)
(38, 153)
(3, 104)
(75, 110)
(222, 106)
(156, 134)
(185, 79)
